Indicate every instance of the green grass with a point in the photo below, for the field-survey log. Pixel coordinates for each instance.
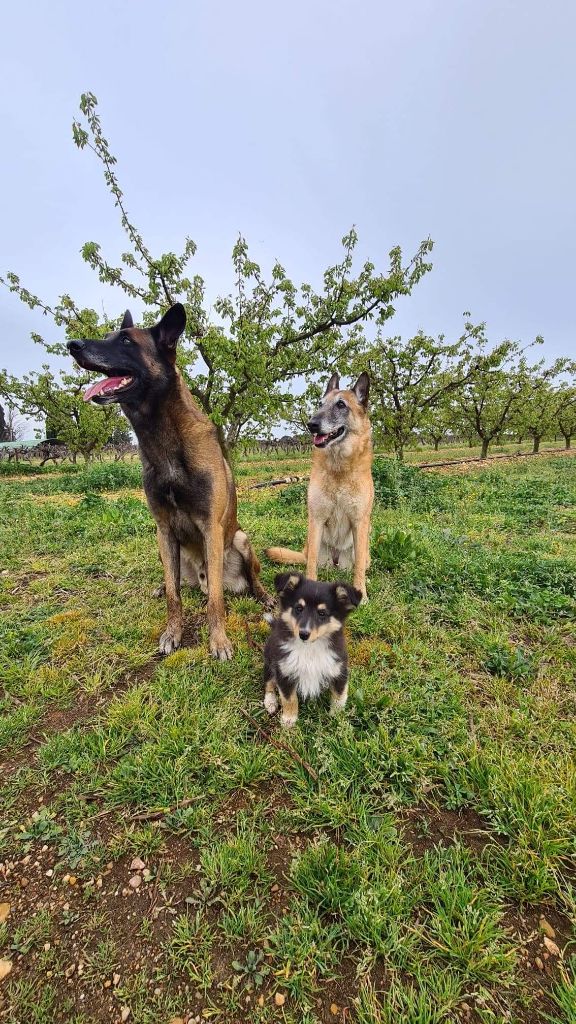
(265, 877)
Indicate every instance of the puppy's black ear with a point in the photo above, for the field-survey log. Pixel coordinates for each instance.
(127, 320)
(286, 581)
(348, 597)
(362, 388)
(333, 384)
(171, 326)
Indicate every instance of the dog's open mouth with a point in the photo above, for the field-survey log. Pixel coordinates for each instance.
(321, 440)
(109, 388)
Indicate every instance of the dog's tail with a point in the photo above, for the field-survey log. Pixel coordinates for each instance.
(286, 555)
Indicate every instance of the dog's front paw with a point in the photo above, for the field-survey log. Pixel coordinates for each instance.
(271, 703)
(288, 721)
(337, 704)
(170, 640)
(364, 599)
(220, 646)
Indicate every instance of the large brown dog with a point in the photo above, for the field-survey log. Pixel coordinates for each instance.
(188, 483)
(341, 491)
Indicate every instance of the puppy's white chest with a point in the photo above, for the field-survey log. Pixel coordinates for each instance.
(310, 665)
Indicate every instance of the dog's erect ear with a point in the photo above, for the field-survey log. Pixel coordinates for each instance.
(333, 383)
(171, 326)
(362, 388)
(286, 581)
(127, 320)
(347, 596)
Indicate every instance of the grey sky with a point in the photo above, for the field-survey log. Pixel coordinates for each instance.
(291, 122)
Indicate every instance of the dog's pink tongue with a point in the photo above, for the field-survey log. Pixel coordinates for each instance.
(101, 387)
(320, 438)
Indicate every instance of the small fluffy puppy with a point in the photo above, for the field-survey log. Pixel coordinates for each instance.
(306, 650)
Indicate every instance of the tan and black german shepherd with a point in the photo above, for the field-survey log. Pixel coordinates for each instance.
(188, 483)
(341, 490)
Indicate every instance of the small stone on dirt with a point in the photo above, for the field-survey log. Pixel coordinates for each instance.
(115, 980)
(547, 928)
(275, 887)
(539, 963)
(551, 946)
(135, 882)
(137, 864)
(260, 1000)
(124, 1013)
(4, 912)
(334, 1009)
(5, 968)
(279, 999)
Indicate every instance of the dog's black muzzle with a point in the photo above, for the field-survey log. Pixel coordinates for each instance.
(75, 347)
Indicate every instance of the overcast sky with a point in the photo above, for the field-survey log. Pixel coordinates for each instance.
(289, 123)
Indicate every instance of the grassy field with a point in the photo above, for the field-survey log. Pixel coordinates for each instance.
(162, 858)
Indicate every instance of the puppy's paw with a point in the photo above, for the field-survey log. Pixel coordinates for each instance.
(220, 646)
(364, 598)
(337, 704)
(271, 703)
(159, 591)
(288, 721)
(170, 640)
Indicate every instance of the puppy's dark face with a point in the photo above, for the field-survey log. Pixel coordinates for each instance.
(138, 363)
(314, 610)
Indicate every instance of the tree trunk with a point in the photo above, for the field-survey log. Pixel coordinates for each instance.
(485, 444)
(436, 445)
(536, 445)
(223, 442)
(567, 440)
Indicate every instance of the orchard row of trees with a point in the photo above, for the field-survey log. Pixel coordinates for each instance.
(427, 390)
(256, 358)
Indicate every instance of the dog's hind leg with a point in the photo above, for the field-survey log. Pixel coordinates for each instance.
(170, 555)
(251, 568)
(192, 573)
